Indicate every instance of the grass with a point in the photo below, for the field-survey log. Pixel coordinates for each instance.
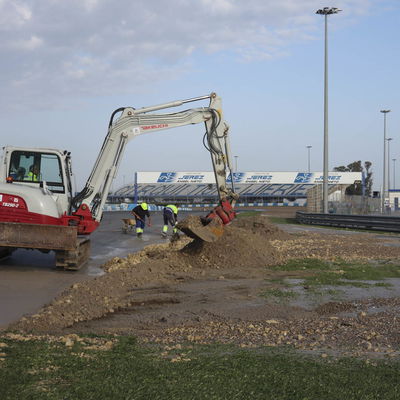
(283, 220)
(316, 273)
(41, 370)
(242, 214)
(275, 220)
(279, 293)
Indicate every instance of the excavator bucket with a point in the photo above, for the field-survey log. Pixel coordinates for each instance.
(201, 228)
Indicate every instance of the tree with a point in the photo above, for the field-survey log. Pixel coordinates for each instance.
(368, 178)
(356, 166)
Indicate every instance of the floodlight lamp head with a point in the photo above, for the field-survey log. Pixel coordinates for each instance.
(385, 111)
(328, 10)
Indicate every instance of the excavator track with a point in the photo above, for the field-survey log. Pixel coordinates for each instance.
(76, 258)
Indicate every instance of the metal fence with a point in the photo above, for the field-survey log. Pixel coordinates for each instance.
(371, 222)
(356, 205)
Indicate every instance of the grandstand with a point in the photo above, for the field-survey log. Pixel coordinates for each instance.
(254, 188)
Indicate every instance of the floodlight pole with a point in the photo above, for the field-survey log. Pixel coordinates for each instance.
(325, 12)
(383, 194)
(388, 162)
(309, 164)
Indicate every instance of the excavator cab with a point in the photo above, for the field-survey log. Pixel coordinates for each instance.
(35, 167)
(31, 170)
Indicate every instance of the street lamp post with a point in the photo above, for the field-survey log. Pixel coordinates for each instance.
(383, 194)
(394, 173)
(309, 149)
(236, 163)
(325, 12)
(388, 161)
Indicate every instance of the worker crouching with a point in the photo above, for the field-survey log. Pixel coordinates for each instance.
(140, 212)
(170, 215)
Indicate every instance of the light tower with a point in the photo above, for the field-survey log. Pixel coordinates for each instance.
(383, 194)
(325, 12)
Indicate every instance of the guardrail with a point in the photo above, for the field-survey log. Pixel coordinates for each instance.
(370, 222)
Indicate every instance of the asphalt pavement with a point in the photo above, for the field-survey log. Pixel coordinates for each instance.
(29, 279)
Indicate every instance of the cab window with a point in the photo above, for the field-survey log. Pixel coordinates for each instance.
(36, 167)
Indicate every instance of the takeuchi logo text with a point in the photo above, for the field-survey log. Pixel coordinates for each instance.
(158, 126)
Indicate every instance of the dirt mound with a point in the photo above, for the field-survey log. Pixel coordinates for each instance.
(260, 225)
(245, 243)
(237, 247)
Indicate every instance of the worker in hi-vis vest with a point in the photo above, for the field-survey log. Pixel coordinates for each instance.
(170, 214)
(33, 174)
(141, 211)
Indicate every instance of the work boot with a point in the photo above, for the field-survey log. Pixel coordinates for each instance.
(164, 234)
(139, 234)
(175, 237)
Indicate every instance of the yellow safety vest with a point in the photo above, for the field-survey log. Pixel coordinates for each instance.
(32, 177)
(173, 208)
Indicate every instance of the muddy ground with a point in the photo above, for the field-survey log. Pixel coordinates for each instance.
(198, 292)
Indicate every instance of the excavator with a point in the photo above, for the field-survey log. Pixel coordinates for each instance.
(38, 209)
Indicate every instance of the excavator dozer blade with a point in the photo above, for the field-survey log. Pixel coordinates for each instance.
(71, 251)
(197, 228)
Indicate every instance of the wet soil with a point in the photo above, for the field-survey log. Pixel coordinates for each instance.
(193, 291)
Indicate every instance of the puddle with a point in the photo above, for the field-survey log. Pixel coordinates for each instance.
(309, 297)
(93, 270)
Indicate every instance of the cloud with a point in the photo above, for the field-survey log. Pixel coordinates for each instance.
(52, 50)
(14, 14)
(29, 44)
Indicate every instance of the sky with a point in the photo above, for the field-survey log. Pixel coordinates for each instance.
(66, 65)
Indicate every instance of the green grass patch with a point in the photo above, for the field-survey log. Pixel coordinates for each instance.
(282, 220)
(304, 264)
(39, 370)
(275, 220)
(332, 293)
(278, 293)
(316, 272)
(383, 284)
(249, 213)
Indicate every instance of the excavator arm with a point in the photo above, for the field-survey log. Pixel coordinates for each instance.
(88, 204)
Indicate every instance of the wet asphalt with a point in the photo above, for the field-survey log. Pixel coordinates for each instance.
(29, 279)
